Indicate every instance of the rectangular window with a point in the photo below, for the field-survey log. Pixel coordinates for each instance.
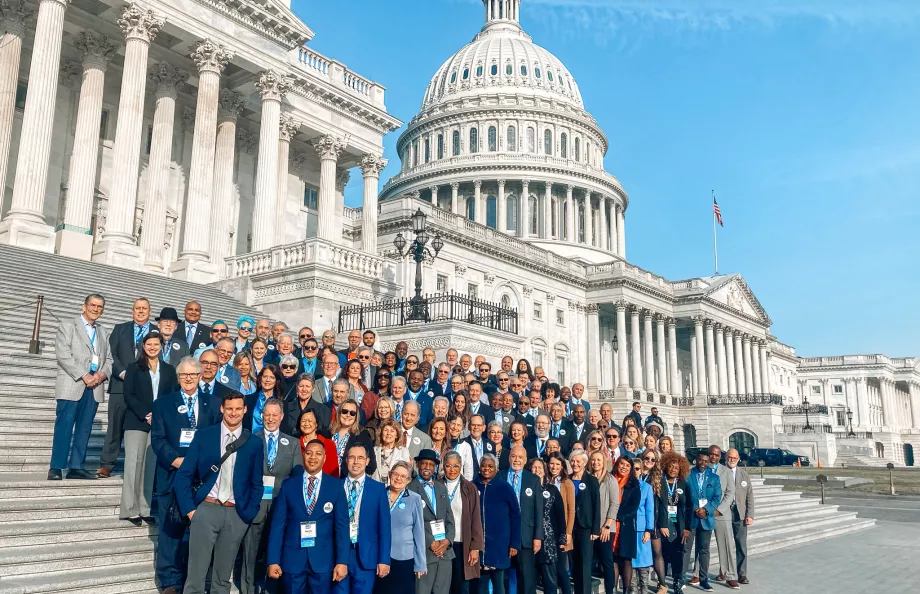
(442, 283)
(310, 197)
(104, 127)
(841, 418)
(538, 311)
(472, 290)
(560, 316)
(21, 95)
(838, 389)
(440, 146)
(538, 358)
(816, 389)
(560, 370)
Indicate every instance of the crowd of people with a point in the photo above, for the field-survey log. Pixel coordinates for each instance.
(319, 469)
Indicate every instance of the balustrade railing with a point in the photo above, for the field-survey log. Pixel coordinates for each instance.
(855, 435)
(310, 251)
(745, 399)
(801, 428)
(682, 401)
(336, 72)
(441, 307)
(813, 409)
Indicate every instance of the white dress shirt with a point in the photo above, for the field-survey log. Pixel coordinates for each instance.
(228, 465)
(456, 507)
(193, 396)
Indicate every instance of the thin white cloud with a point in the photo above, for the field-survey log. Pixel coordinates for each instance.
(723, 14)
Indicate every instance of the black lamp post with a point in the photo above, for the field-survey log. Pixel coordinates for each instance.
(807, 426)
(850, 432)
(418, 250)
(616, 343)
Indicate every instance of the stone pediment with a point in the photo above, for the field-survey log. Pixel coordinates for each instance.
(733, 292)
(269, 17)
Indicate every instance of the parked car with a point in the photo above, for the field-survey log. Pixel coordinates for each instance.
(775, 457)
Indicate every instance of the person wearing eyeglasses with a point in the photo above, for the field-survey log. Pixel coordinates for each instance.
(457, 384)
(208, 383)
(303, 335)
(612, 441)
(651, 474)
(346, 430)
(219, 330)
(407, 551)
(307, 356)
(330, 371)
(226, 374)
(244, 328)
(630, 448)
(382, 380)
(369, 372)
(595, 443)
(440, 385)
(287, 381)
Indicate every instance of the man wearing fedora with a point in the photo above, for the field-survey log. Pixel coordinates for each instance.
(439, 525)
(174, 348)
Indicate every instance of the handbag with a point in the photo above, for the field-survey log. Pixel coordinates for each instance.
(174, 517)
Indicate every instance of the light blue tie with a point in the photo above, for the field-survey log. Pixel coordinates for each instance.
(189, 336)
(272, 450)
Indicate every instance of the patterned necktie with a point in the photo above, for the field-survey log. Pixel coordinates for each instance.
(272, 450)
(399, 413)
(516, 485)
(352, 500)
(429, 491)
(191, 413)
(311, 491)
(405, 438)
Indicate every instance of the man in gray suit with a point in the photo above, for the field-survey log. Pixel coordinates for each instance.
(413, 438)
(724, 537)
(439, 525)
(174, 347)
(370, 371)
(81, 347)
(282, 455)
(322, 393)
(742, 511)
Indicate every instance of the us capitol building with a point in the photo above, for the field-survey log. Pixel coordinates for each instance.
(205, 140)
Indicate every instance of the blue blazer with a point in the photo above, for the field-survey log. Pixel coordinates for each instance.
(501, 522)
(166, 425)
(424, 405)
(712, 491)
(206, 451)
(374, 536)
(289, 510)
(234, 381)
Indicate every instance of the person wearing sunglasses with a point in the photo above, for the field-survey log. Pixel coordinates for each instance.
(244, 328)
(346, 431)
(308, 357)
(651, 474)
(630, 448)
(382, 379)
(440, 385)
(636, 523)
(612, 441)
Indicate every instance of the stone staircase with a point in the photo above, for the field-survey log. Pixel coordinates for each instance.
(853, 461)
(66, 536)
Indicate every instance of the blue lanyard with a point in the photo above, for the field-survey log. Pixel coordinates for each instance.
(395, 503)
(453, 493)
(671, 489)
(92, 340)
(353, 497)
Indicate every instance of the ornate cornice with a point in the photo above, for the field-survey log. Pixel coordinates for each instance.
(273, 86)
(210, 56)
(139, 23)
(166, 79)
(355, 110)
(256, 17)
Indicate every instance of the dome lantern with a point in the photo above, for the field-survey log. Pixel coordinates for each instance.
(502, 11)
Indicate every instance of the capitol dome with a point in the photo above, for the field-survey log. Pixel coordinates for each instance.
(503, 140)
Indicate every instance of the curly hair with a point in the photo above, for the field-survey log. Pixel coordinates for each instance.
(669, 458)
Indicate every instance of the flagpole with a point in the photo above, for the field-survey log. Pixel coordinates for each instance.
(715, 245)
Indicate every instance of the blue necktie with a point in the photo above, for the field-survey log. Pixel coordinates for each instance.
(272, 450)
(191, 413)
(189, 335)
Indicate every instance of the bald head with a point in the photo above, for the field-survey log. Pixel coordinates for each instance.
(732, 457)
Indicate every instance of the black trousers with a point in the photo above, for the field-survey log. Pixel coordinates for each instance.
(496, 578)
(563, 582)
(400, 580)
(115, 432)
(525, 564)
(603, 552)
(458, 583)
(548, 575)
(672, 551)
(700, 542)
(583, 556)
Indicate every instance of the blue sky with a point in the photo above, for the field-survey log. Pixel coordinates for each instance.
(802, 115)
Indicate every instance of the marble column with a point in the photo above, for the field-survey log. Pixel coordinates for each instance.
(24, 224)
(862, 404)
(621, 232)
(765, 369)
(329, 148)
(166, 80)
(713, 382)
(434, 195)
(589, 220)
(230, 106)
(74, 237)
(272, 87)
(194, 261)
(570, 216)
(661, 355)
(635, 348)
(118, 245)
(479, 214)
(547, 211)
(13, 19)
(649, 353)
(612, 223)
(748, 373)
(694, 365)
(602, 203)
(287, 128)
(739, 363)
(674, 384)
(371, 166)
(501, 207)
(755, 365)
(720, 357)
(701, 387)
(594, 359)
(730, 360)
(525, 209)
(454, 190)
(622, 349)
(913, 390)
(889, 414)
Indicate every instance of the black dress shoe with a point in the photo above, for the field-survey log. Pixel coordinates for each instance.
(55, 474)
(743, 580)
(136, 521)
(149, 520)
(79, 473)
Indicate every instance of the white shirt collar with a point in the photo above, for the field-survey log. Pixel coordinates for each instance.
(225, 431)
(276, 432)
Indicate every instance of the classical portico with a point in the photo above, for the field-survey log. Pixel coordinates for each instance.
(187, 136)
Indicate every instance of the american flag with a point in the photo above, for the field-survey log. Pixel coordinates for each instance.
(716, 211)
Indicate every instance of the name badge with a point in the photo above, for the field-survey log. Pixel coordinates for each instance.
(562, 432)
(437, 530)
(185, 437)
(224, 379)
(307, 534)
(175, 347)
(672, 512)
(702, 503)
(268, 486)
(353, 531)
(94, 363)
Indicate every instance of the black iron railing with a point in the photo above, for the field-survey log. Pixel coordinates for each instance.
(798, 409)
(797, 428)
(855, 435)
(441, 307)
(745, 399)
(681, 401)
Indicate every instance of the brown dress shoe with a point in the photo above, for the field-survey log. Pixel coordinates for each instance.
(743, 580)
(695, 580)
(733, 585)
(170, 590)
(104, 472)
(720, 578)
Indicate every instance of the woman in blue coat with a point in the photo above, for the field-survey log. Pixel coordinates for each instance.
(636, 517)
(501, 526)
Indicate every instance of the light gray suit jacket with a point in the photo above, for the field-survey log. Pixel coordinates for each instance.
(320, 394)
(418, 442)
(286, 460)
(74, 355)
(744, 494)
(728, 492)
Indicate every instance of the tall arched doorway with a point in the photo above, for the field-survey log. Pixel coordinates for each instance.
(879, 449)
(908, 454)
(689, 437)
(742, 441)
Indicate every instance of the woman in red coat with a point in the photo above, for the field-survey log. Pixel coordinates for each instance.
(308, 432)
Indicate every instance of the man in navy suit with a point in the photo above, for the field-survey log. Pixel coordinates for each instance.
(528, 491)
(175, 420)
(227, 374)
(227, 500)
(416, 391)
(440, 385)
(311, 505)
(477, 405)
(196, 334)
(368, 526)
(208, 383)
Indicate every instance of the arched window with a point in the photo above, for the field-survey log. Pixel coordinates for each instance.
(509, 69)
(471, 208)
(531, 147)
(564, 145)
(512, 138)
(742, 441)
(453, 77)
(494, 69)
(474, 140)
(427, 150)
(548, 141)
(534, 214)
(523, 70)
(549, 75)
(492, 212)
(581, 223)
(578, 149)
(479, 70)
(493, 139)
(588, 156)
(440, 146)
(456, 143)
(552, 217)
(564, 232)
(466, 73)
(536, 71)
(415, 154)
(511, 213)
